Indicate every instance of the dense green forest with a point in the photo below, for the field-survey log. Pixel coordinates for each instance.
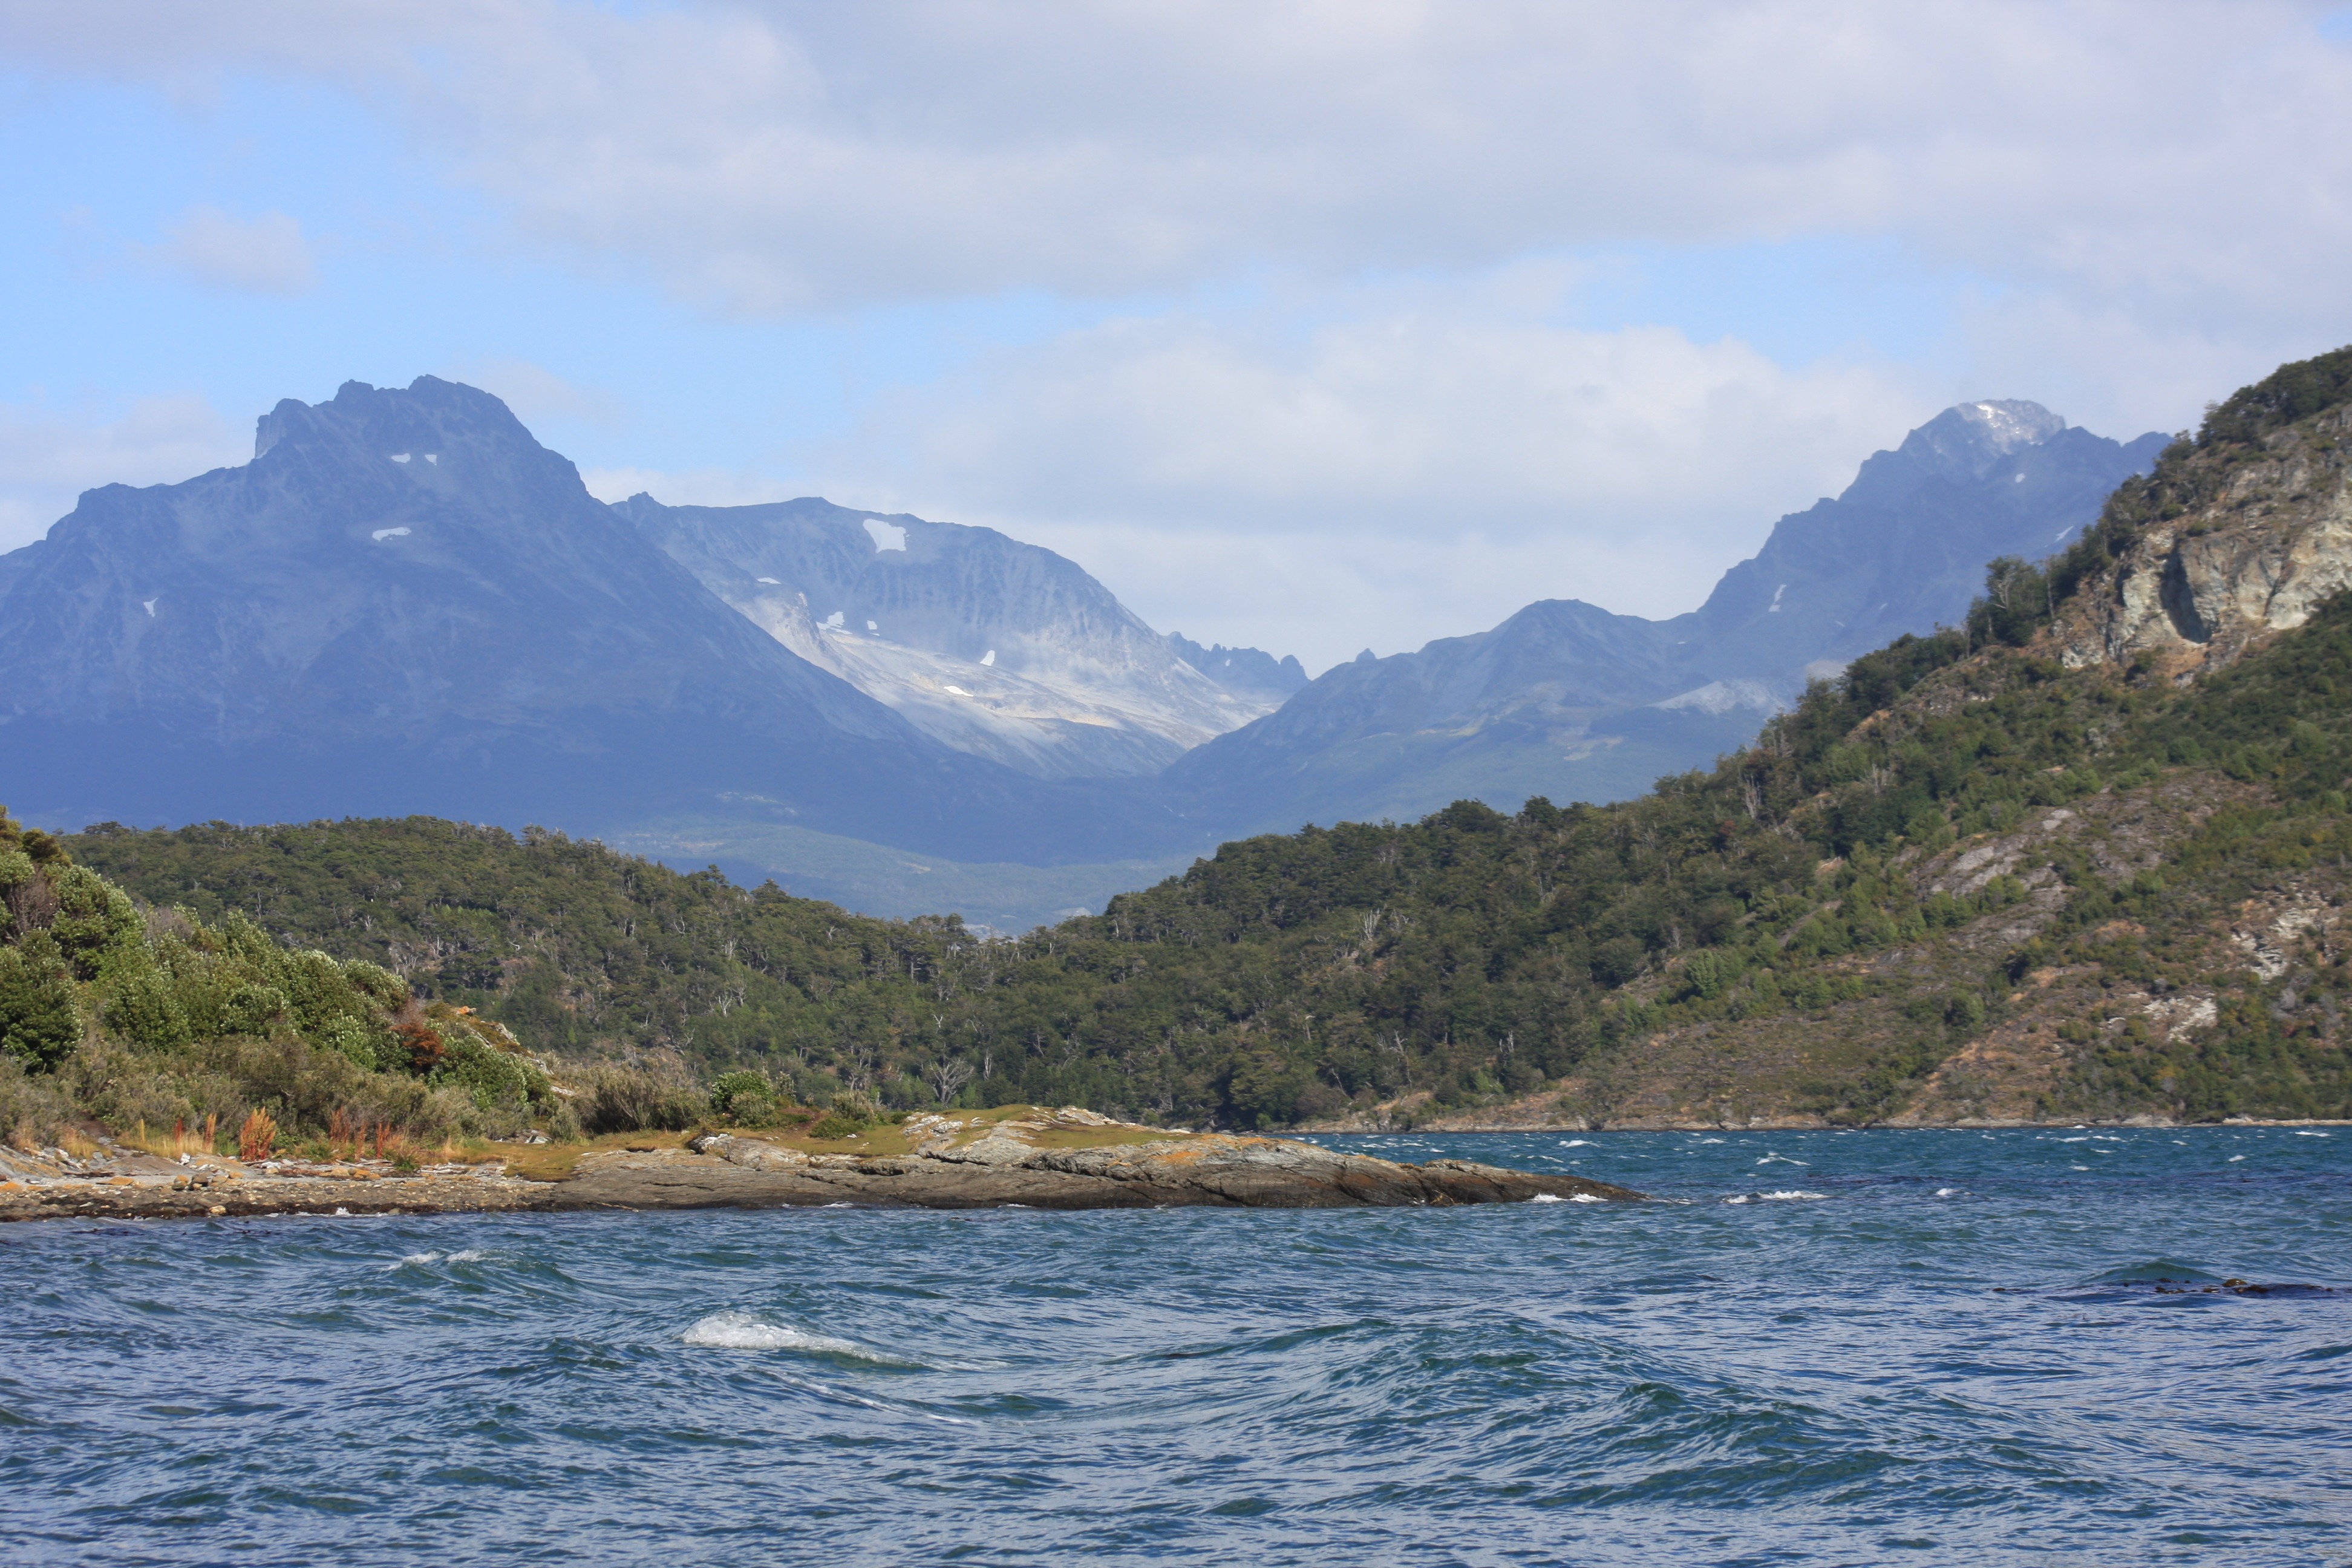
(1472, 956)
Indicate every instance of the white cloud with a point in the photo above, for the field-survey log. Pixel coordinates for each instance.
(2184, 158)
(48, 457)
(1423, 465)
(265, 255)
(2147, 200)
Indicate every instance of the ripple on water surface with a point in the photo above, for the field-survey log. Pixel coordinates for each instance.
(1813, 1347)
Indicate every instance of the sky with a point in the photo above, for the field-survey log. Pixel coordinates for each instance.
(1311, 326)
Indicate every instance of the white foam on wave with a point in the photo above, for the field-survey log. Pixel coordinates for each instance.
(1950, 1193)
(2234, 1159)
(743, 1331)
(1792, 1196)
(2308, 1134)
(1578, 1143)
(470, 1254)
(1571, 1198)
(1779, 1160)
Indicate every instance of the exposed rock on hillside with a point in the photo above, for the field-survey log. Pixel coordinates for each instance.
(2258, 557)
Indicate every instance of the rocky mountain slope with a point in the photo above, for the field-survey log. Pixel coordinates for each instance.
(994, 647)
(1567, 700)
(405, 603)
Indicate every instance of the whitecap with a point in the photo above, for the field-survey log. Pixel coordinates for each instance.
(1571, 1198)
(1780, 1160)
(2234, 1159)
(2074, 1139)
(1578, 1143)
(1950, 1193)
(1710, 1140)
(743, 1331)
(2078, 1167)
(2311, 1134)
(1547, 1198)
(422, 1257)
(746, 1331)
(1789, 1196)
(471, 1255)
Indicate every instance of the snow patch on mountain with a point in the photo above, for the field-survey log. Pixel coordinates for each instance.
(995, 647)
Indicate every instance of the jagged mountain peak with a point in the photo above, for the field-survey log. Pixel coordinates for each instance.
(1967, 439)
(1248, 670)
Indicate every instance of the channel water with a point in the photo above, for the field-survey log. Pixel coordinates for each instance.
(1991, 1346)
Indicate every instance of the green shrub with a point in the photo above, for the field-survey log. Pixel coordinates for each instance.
(747, 1097)
(39, 1022)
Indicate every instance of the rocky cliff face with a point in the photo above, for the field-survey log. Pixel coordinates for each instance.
(2195, 591)
(990, 645)
(1567, 701)
(405, 604)
(1246, 672)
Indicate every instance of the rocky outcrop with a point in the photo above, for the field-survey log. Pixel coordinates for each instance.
(2198, 590)
(1004, 1166)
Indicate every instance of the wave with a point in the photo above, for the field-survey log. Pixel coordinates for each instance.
(470, 1254)
(1571, 1198)
(1792, 1196)
(743, 1331)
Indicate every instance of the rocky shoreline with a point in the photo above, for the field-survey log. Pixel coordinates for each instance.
(1006, 1164)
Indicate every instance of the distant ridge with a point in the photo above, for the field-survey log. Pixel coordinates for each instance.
(1569, 701)
(406, 604)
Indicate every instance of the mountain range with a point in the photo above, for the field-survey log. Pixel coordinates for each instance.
(404, 603)
(1567, 701)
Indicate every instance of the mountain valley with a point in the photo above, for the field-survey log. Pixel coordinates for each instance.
(2080, 856)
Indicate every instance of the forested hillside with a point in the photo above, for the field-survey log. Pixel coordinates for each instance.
(2010, 870)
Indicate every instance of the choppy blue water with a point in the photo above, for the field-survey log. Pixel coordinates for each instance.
(1820, 1348)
